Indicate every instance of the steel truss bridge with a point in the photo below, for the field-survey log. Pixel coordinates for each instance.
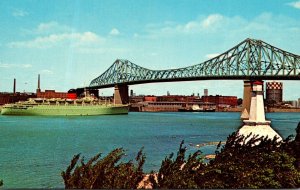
(249, 60)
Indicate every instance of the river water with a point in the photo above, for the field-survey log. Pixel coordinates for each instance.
(35, 150)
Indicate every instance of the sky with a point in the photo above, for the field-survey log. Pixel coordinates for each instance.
(71, 42)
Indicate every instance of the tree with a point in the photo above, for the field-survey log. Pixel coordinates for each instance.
(243, 162)
(105, 173)
(293, 147)
(240, 101)
(251, 163)
(178, 173)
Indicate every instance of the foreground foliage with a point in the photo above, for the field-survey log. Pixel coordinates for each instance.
(265, 165)
(243, 162)
(178, 173)
(105, 173)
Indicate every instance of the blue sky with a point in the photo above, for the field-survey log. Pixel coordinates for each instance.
(71, 42)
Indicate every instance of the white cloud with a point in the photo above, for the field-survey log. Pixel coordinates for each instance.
(19, 13)
(52, 27)
(89, 37)
(205, 24)
(217, 26)
(211, 55)
(153, 54)
(26, 65)
(114, 32)
(211, 20)
(46, 72)
(295, 4)
(136, 35)
(191, 25)
(8, 65)
(101, 50)
(74, 39)
(46, 26)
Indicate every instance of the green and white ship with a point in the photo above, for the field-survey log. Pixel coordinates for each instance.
(63, 107)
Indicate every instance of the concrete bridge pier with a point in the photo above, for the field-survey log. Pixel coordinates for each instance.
(246, 99)
(121, 94)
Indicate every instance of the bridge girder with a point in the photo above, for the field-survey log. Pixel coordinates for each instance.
(249, 60)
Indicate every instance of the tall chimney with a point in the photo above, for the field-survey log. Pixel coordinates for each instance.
(38, 87)
(14, 86)
(206, 92)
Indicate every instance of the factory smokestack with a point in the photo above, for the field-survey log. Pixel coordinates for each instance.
(14, 86)
(38, 90)
(39, 87)
(205, 92)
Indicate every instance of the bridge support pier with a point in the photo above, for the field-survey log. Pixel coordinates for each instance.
(121, 94)
(246, 99)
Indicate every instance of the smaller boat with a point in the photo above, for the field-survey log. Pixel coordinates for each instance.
(197, 108)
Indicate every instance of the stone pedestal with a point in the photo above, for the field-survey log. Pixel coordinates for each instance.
(257, 125)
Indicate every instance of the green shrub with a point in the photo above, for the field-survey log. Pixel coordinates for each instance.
(178, 173)
(105, 173)
(258, 163)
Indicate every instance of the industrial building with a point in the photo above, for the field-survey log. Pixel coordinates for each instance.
(51, 94)
(71, 94)
(221, 101)
(161, 106)
(173, 103)
(6, 97)
(274, 93)
(48, 93)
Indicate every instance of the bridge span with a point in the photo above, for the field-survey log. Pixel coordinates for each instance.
(250, 60)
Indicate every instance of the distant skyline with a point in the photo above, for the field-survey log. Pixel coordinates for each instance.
(71, 42)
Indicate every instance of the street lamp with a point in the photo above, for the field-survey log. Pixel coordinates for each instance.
(25, 86)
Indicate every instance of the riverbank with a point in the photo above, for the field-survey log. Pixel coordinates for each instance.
(269, 110)
(283, 110)
(238, 109)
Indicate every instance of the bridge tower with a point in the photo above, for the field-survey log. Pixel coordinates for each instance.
(121, 94)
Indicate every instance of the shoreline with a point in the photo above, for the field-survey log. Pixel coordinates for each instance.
(269, 110)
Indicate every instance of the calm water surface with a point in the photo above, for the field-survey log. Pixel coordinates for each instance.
(35, 150)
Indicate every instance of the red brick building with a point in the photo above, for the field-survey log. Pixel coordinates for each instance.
(150, 98)
(6, 98)
(171, 98)
(221, 101)
(178, 98)
(51, 94)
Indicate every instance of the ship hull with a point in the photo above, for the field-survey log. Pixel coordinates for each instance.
(53, 110)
